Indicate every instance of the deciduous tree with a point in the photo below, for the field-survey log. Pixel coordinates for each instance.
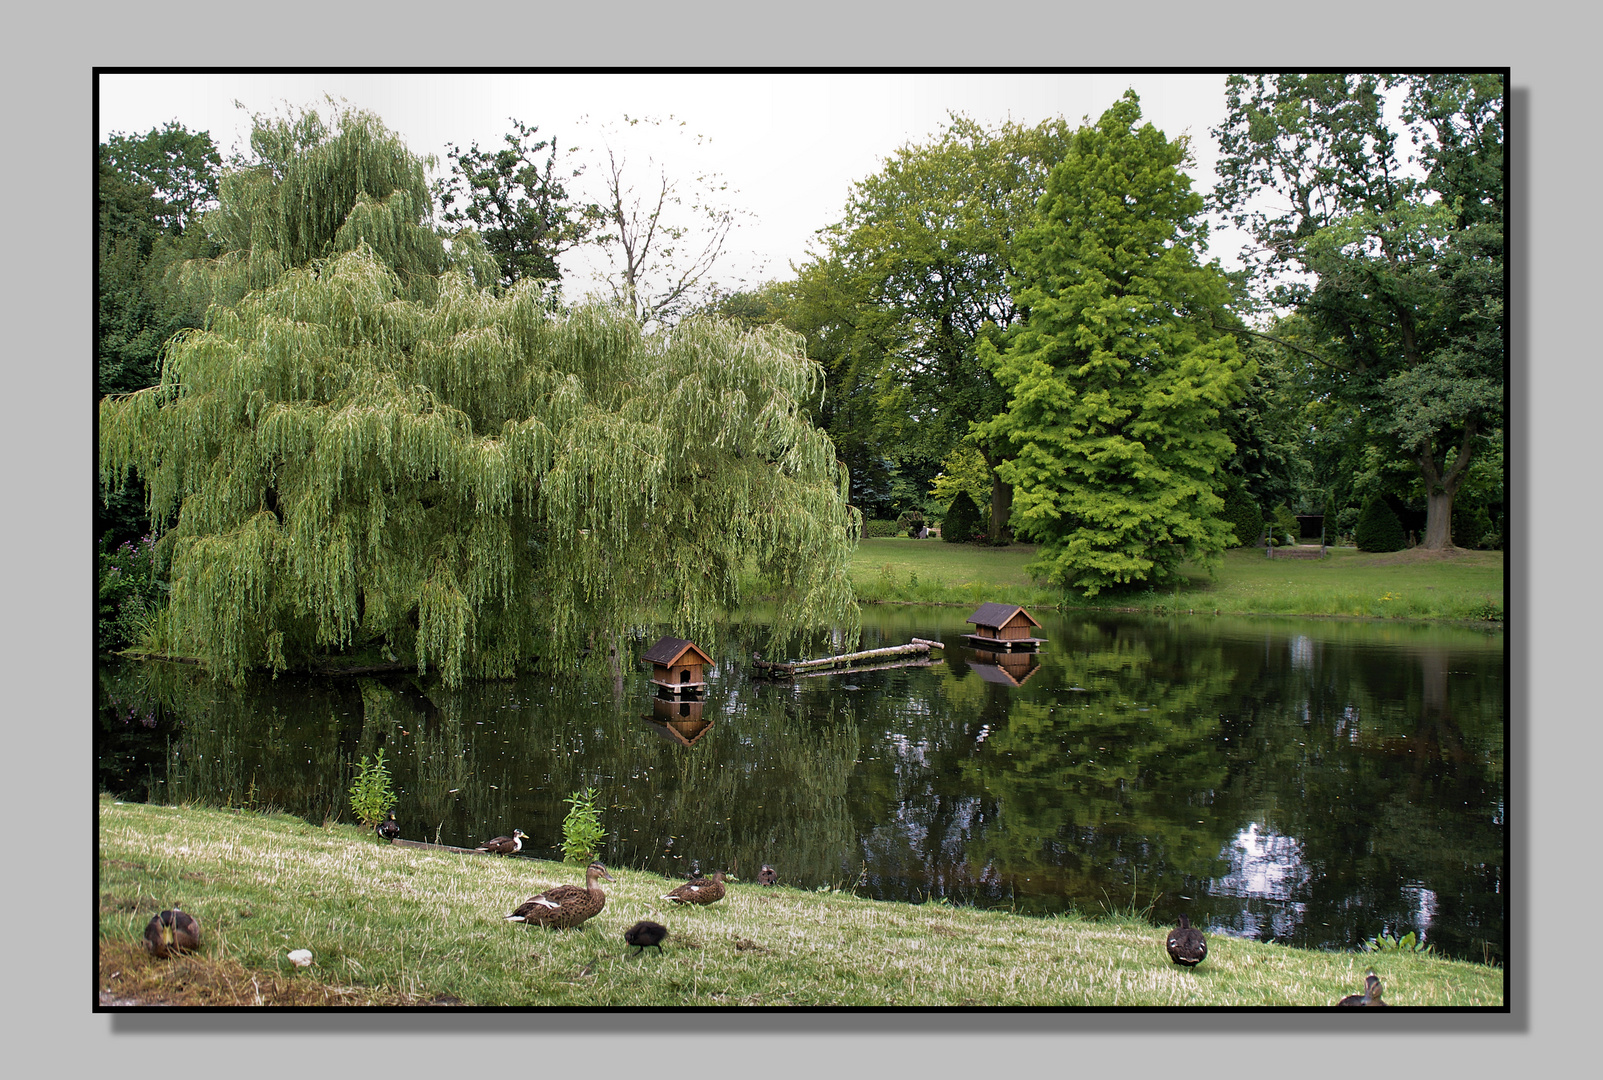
(1116, 380)
(366, 450)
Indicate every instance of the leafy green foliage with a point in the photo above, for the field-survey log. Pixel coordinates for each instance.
(128, 592)
(962, 521)
(371, 796)
(910, 522)
(1117, 380)
(366, 448)
(1378, 528)
(581, 829)
(1398, 279)
(1243, 515)
(1407, 944)
(520, 204)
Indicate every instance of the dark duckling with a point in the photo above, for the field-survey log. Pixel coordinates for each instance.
(1370, 996)
(565, 905)
(644, 935)
(388, 829)
(701, 891)
(767, 875)
(172, 931)
(1187, 946)
(504, 845)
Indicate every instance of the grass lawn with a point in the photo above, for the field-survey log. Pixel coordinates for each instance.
(400, 926)
(1416, 584)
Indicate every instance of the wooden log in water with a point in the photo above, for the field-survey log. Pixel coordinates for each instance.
(918, 648)
(870, 667)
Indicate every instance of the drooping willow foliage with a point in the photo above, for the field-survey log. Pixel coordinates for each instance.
(364, 448)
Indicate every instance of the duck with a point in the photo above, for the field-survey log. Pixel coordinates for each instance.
(1187, 946)
(701, 891)
(565, 905)
(767, 875)
(388, 829)
(644, 935)
(1370, 996)
(172, 931)
(504, 845)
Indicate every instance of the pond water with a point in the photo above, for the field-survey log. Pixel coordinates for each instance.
(1313, 782)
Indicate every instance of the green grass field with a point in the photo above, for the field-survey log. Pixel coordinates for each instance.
(1459, 585)
(401, 926)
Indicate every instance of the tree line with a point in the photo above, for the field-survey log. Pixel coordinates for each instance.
(362, 416)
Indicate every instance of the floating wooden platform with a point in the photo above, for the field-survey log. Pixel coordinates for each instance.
(1004, 644)
(773, 670)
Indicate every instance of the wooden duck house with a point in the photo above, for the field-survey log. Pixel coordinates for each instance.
(678, 666)
(1003, 626)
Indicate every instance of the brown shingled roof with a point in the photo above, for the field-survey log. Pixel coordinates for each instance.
(668, 651)
(998, 614)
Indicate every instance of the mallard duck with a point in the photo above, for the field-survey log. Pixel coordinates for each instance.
(565, 905)
(1370, 996)
(388, 829)
(701, 891)
(504, 845)
(172, 931)
(644, 935)
(1186, 944)
(767, 875)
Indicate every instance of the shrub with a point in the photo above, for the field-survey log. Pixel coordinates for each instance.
(128, 593)
(1472, 525)
(1378, 528)
(1243, 516)
(581, 829)
(879, 527)
(962, 520)
(1286, 525)
(910, 522)
(371, 797)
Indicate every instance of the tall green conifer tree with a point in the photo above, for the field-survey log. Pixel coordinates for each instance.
(368, 449)
(1116, 382)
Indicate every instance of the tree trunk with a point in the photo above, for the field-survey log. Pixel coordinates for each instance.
(1439, 491)
(1438, 520)
(1001, 500)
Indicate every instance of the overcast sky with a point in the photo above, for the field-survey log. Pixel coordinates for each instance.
(789, 145)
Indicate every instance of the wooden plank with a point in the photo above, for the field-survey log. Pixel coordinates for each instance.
(398, 842)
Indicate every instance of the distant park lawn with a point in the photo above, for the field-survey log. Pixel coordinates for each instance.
(1414, 584)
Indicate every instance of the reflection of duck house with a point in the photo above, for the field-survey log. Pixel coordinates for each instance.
(1009, 669)
(678, 666)
(679, 719)
(1003, 627)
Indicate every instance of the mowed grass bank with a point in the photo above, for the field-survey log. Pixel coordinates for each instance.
(397, 926)
(1416, 584)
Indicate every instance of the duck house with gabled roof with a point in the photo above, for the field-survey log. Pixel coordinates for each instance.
(1003, 627)
(678, 666)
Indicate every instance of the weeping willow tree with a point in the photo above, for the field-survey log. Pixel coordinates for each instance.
(370, 449)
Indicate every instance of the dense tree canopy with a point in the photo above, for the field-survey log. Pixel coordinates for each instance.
(1396, 266)
(365, 448)
(1116, 381)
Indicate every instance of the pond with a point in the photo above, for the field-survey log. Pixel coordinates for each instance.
(1312, 782)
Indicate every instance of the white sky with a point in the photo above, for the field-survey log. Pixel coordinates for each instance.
(789, 145)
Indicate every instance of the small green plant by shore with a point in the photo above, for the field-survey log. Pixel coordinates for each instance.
(1408, 943)
(371, 795)
(581, 829)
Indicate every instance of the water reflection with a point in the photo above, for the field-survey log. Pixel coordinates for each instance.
(1316, 783)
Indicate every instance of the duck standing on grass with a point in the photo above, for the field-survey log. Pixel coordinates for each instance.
(1187, 947)
(767, 875)
(172, 931)
(644, 935)
(504, 845)
(565, 905)
(701, 891)
(389, 829)
(1370, 996)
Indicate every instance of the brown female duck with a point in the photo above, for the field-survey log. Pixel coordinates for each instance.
(767, 875)
(504, 845)
(700, 891)
(172, 931)
(565, 905)
(1370, 996)
(1187, 947)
